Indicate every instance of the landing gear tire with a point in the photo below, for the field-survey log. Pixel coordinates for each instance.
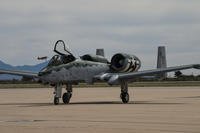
(56, 100)
(66, 97)
(125, 97)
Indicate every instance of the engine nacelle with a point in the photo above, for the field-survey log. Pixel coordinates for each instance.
(95, 58)
(125, 63)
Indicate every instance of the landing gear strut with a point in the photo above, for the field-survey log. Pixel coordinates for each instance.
(56, 101)
(67, 96)
(58, 93)
(124, 92)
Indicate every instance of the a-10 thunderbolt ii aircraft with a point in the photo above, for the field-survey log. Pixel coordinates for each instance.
(65, 69)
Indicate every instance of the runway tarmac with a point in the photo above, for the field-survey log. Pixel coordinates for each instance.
(99, 110)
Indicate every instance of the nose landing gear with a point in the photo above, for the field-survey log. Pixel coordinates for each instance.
(66, 96)
(58, 93)
(56, 101)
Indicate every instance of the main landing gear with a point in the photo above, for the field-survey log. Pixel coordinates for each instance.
(66, 96)
(124, 92)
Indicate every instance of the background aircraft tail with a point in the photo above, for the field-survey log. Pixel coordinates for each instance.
(162, 61)
(100, 52)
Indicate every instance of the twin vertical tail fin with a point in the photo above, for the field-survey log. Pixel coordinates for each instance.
(100, 52)
(162, 61)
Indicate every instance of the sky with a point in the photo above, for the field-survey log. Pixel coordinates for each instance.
(29, 28)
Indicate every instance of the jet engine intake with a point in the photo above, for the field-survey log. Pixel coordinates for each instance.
(125, 63)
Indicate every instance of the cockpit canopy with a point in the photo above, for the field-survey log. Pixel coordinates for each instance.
(55, 61)
(61, 49)
(63, 56)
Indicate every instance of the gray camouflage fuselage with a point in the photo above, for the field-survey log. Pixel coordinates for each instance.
(73, 72)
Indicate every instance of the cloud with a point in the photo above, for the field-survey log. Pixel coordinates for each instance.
(29, 29)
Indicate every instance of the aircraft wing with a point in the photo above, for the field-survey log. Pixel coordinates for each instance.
(19, 73)
(115, 78)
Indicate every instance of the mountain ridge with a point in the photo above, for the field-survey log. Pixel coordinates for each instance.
(31, 68)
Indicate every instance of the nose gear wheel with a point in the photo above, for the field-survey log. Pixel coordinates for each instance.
(56, 100)
(66, 97)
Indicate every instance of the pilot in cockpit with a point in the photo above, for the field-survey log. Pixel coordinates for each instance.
(64, 54)
(67, 58)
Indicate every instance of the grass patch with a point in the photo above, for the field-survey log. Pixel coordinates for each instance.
(135, 84)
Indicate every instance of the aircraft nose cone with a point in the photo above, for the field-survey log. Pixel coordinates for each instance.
(42, 72)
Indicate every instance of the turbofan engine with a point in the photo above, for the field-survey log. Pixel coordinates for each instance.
(125, 63)
(95, 58)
